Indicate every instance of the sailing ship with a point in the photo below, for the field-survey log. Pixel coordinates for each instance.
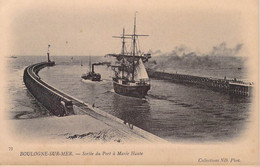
(131, 78)
(91, 75)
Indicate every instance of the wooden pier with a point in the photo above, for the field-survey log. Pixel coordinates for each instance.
(233, 87)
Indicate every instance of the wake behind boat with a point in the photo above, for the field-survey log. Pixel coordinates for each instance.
(131, 78)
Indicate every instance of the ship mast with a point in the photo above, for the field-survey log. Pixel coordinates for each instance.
(133, 54)
(89, 63)
(134, 36)
(123, 52)
(123, 43)
(123, 49)
(134, 43)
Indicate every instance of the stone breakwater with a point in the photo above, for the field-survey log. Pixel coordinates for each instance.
(62, 104)
(49, 97)
(233, 87)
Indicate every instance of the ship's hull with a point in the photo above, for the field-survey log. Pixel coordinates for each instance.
(91, 77)
(133, 90)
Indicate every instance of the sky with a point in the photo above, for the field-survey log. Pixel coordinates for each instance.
(86, 27)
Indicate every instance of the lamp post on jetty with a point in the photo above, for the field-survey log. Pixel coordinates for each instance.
(49, 62)
(48, 53)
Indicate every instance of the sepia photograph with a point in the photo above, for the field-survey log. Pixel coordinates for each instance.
(129, 82)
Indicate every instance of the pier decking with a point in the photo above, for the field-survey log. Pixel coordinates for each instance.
(62, 104)
(233, 87)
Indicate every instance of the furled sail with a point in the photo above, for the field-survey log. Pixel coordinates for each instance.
(140, 72)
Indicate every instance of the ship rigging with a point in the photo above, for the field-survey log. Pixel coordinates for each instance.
(131, 78)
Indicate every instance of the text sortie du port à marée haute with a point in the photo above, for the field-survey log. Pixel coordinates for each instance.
(70, 153)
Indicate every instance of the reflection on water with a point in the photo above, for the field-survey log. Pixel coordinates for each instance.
(132, 110)
(172, 111)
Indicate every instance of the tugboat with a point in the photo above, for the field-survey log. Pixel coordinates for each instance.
(131, 78)
(13, 57)
(91, 75)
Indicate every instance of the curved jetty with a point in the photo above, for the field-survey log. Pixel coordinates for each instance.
(62, 104)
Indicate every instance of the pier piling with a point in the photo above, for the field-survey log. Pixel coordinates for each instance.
(234, 87)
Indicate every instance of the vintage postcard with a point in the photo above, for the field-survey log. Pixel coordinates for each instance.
(133, 82)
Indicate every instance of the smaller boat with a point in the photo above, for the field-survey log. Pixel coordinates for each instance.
(91, 75)
(13, 57)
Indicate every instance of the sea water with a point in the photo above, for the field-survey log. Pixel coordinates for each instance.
(171, 111)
